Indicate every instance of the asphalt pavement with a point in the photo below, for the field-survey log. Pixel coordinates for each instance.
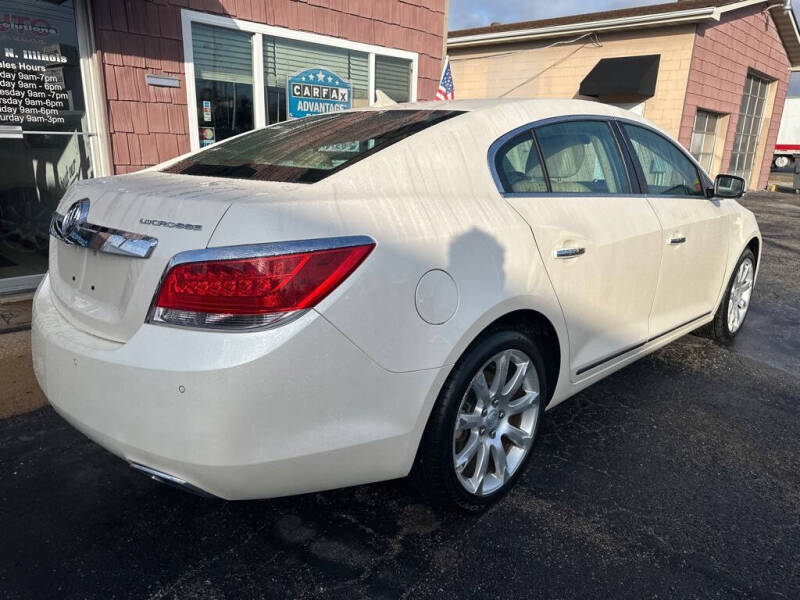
(678, 476)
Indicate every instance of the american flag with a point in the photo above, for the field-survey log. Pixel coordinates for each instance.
(447, 90)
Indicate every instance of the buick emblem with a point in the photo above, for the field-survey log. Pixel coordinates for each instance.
(75, 217)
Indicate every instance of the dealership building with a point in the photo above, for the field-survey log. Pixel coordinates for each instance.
(712, 73)
(99, 87)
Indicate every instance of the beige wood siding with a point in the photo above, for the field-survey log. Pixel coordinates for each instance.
(490, 71)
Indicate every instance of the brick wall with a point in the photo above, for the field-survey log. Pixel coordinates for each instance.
(134, 38)
(723, 53)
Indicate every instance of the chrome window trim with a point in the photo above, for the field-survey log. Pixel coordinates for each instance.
(216, 253)
(102, 239)
(496, 146)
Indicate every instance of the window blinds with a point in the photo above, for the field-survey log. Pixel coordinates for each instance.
(393, 77)
(222, 54)
(284, 58)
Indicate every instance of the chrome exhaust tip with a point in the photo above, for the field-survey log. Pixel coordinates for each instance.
(171, 480)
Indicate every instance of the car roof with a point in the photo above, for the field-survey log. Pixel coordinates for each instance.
(500, 115)
(535, 107)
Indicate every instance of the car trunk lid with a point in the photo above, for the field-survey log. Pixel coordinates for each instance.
(109, 295)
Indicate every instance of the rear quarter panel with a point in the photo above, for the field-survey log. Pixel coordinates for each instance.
(430, 203)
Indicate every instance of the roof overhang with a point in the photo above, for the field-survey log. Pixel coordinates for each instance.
(785, 22)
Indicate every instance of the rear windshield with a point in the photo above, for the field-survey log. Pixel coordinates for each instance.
(308, 150)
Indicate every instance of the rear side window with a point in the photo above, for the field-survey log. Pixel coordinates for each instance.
(667, 170)
(519, 167)
(308, 150)
(582, 157)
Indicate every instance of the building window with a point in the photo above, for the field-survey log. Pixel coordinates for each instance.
(393, 77)
(223, 75)
(242, 70)
(49, 139)
(704, 138)
(283, 58)
(748, 127)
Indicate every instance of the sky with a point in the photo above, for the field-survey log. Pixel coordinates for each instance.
(479, 13)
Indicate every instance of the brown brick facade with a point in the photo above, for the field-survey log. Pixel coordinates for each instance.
(722, 56)
(135, 38)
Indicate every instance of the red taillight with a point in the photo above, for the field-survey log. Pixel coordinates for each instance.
(257, 286)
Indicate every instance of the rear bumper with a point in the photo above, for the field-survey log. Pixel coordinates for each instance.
(238, 415)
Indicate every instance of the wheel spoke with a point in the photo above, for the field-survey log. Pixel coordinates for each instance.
(481, 389)
(500, 373)
(500, 465)
(516, 380)
(522, 404)
(516, 436)
(468, 421)
(481, 463)
(467, 452)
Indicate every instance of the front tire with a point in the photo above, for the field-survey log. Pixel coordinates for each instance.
(735, 305)
(482, 429)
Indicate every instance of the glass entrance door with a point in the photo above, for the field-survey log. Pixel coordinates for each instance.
(44, 138)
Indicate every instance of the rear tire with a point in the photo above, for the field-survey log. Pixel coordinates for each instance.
(735, 304)
(482, 429)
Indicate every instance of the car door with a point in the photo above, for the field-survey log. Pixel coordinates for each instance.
(695, 244)
(599, 239)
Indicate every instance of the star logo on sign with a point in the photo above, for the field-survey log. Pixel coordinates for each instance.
(330, 78)
(304, 78)
(320, 76)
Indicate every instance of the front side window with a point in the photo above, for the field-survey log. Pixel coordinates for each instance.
(308, 150)
(582, 157)
(704, 137)
(519, 167)
(667, 170)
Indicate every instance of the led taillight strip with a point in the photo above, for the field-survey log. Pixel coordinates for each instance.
(254, 286)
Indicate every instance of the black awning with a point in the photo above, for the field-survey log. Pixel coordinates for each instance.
(624, 78)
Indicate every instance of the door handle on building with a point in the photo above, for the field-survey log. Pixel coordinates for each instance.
(569, 252)
(678, 239)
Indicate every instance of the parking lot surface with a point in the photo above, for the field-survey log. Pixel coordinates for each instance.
(678, 476)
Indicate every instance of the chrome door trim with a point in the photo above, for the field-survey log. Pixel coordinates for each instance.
(607, 359)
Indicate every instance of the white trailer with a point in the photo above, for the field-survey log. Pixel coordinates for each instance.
(787, 148)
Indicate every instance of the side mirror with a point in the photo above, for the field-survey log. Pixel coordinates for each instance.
(728, 186)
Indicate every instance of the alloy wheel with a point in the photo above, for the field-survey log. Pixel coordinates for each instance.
(741, 290)
(495, 422)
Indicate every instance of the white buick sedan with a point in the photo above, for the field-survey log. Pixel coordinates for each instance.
(346, 298)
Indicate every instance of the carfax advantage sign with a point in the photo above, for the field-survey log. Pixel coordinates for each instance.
(317, 91)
